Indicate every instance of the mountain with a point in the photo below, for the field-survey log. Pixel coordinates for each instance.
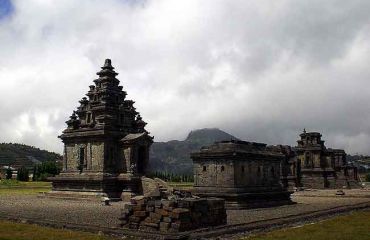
(207, 136)
(17, 155)
(174, 156)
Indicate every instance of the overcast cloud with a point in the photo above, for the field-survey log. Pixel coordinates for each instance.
(260, 70)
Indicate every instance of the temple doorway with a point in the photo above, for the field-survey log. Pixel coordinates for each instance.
(141, 158)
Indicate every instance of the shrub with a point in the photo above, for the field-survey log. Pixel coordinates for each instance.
(42, 171)
(9, 182)
(9, 173)
(23, 174)
(367, 177)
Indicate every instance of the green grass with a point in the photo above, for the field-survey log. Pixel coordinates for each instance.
(15, 183)
(20, 231)
(14, 187)
(353, 226)
(182, 185)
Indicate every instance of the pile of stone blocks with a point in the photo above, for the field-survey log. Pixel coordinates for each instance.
(171, 216)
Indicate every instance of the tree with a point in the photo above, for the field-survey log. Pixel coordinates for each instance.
(9, 173)
(35, 173)
(23, 174)
(47, 169)
(367, 177)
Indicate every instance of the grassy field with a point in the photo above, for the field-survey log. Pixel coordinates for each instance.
(10, 187)
(19, 231)
(181, 185)
(353, 226)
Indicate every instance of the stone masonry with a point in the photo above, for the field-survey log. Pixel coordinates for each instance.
(106, 147)
(321, 167)
(173, 215)
(245, 174)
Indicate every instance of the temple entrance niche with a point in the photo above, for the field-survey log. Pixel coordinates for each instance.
(136, 152)
(141, 159)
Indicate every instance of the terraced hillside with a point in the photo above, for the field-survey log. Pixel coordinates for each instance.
(17, 155)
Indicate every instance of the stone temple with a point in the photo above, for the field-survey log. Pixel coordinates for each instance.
(311, 164)
(321, 167)
(106, 147)
(245, 174)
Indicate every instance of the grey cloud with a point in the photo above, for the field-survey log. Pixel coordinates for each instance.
(260, 70)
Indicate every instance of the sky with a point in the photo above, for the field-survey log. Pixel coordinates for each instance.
(261, 70)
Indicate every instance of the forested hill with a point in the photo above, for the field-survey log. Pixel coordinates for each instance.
(17, 155)
(174, 156)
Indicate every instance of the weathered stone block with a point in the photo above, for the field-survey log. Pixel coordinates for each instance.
(158, 204)
(168, 203)
(162, 212)
(163, 226)
(139, 200)
(168, 208)
(167, 219)
(150, 208)
(140, 213)
(134, 219)
(126, 196)
(155, 216)
(150, 203)
(150, 187)
(133, 225)
(139, 207)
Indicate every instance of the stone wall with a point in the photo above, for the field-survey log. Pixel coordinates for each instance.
(236, 173)
(256, 173)
(214, 173)
(173, 215)
(94, 153)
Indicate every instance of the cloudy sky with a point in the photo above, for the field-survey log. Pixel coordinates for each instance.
(260, 70)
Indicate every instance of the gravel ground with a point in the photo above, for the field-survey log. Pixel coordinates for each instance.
(85, 212)
(81, 212)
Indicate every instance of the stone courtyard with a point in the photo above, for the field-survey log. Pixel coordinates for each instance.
(92, 215)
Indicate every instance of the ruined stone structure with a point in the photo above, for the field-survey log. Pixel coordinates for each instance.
(321, 167)
(245, 174)
(172, 215)
(106, 147)
(288, 166)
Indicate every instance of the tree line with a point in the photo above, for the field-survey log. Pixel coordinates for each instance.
(172, 177)
(40, 172)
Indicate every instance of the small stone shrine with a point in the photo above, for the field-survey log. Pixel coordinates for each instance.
(245, 174)
(320, 167)
(106, 147)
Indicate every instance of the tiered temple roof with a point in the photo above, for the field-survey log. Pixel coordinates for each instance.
(105, 108)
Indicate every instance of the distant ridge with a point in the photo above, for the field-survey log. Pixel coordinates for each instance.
(208, 136)
(17, 155)
(174, 156)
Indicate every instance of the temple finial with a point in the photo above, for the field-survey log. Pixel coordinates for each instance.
(107, 63)
(304, 130)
